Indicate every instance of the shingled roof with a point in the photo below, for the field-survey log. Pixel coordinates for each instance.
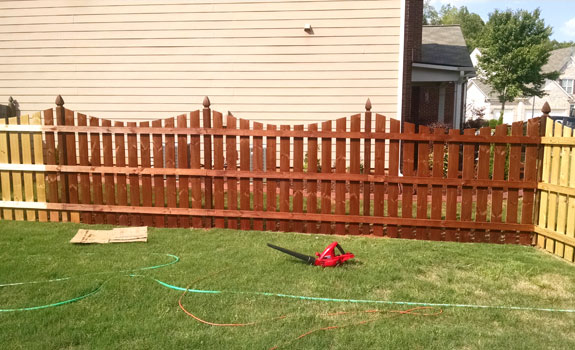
(558, 59)
(444, 45)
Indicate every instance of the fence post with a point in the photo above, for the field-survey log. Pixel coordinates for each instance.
(207, 115)
(367, 168)
(541, 197)
(62, 153)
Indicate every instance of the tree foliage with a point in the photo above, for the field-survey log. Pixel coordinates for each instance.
(430, 14)
(515, 46)
(471, 23)
(561, 45)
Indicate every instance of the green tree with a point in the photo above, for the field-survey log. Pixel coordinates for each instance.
(471, 23)
(561, 45)
(430, 15)
(515, 46)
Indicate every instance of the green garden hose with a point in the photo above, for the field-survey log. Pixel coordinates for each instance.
(280, 295)
(68, 301)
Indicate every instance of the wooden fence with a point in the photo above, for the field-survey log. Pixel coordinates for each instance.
(556, 222)
(359, 175)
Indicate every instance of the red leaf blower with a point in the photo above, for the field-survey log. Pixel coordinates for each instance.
(328, 258)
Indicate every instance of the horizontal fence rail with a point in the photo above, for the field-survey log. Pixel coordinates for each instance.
(366, 174)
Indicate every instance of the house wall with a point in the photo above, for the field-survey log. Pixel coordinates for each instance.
(569, 72)
(476, 100)
(557, 98)
(147, 59)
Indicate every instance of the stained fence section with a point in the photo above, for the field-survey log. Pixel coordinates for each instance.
(365, 174)
(556, 222)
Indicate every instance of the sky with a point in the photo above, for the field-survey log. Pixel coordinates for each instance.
(559, 14)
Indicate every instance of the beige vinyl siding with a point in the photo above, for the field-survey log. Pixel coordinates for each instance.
(144, 59)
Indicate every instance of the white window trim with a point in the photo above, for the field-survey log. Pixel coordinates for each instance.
(566, 87)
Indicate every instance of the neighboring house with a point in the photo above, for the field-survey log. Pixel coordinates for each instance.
(560, 93)
(440, 77)
(277, 61)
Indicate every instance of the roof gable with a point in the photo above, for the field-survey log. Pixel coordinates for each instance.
(559, 59)
(444, 45)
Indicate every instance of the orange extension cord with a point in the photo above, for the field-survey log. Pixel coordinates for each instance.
(412, 311)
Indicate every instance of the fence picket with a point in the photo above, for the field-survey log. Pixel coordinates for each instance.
(183, 163)
(530, 175)
(562, 197)
(62, 158)
(195, 163)
(514, 175)
(379, 188)
(51, 177)
(96, 160)
(121, 179)
(159, 191)
(109, 182)
(570, 215)
(499, 158)
(271, 185)
(27, 175)
(245, 166)
(554, 180)
(408, 170)
(340, 186)
(71, 159)
(392, 188)
(325, 226)
(84, 184)
(7, 214)
(452, 173)
(422, 189)
(40, 179)
(258, 165)
(219, 195)
(483, 170)
(298, 183)
(311, 226)
(435, 234)
(147, 189)
(284, 184)
(467, 191)
(355, 168)
(544, 195)
(134, 179)
(232, 164)
(16, 175)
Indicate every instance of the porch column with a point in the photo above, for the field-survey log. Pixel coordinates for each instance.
(441, 111)
(458, 104)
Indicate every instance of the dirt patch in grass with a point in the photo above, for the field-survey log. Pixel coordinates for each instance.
(549, 285)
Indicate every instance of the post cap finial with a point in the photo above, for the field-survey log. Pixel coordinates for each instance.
(368, 105)
(546, 108)
(59, 101)
(206, 102)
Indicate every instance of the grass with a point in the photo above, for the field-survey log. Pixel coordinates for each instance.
(137, 313)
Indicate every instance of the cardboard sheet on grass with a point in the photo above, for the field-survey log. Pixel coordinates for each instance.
(116, 235)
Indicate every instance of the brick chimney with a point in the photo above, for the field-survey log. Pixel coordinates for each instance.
(412, 50)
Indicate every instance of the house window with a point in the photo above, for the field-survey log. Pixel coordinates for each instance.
(567, 85)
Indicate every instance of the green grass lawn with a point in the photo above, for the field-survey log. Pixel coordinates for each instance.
(138, 313)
